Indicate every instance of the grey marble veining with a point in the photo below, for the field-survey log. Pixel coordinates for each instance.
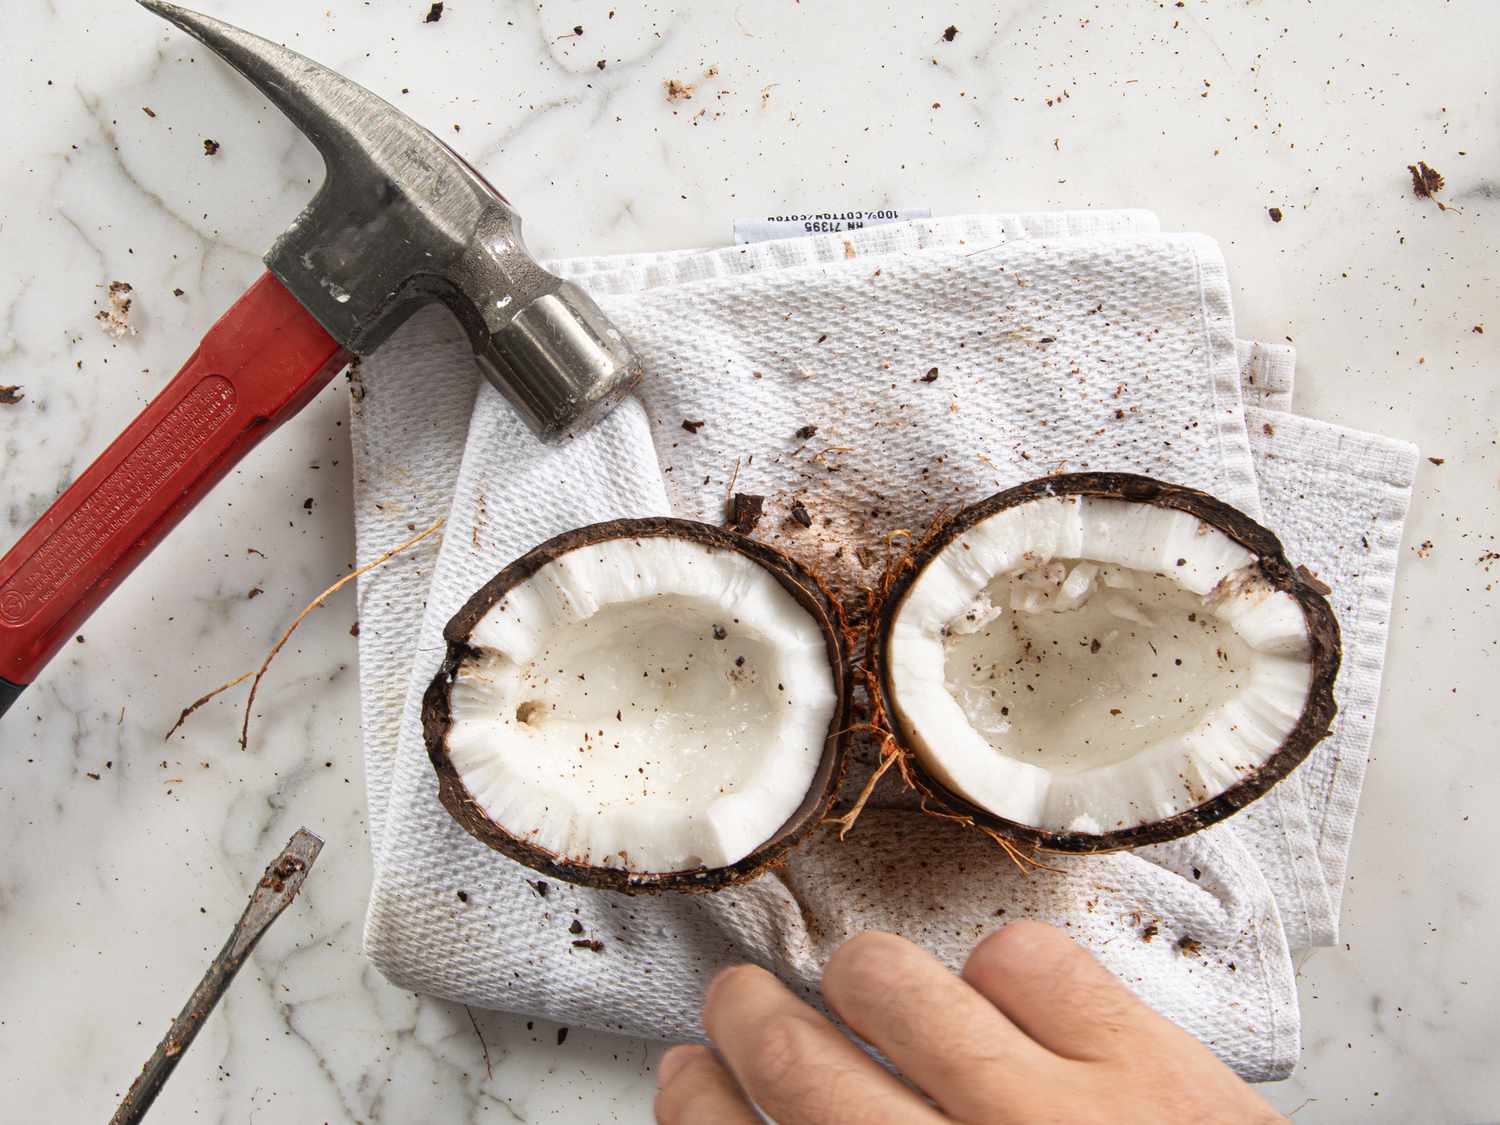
(116, 891)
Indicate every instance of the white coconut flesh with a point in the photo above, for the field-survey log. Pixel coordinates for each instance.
(1082, 665)
(651, 704)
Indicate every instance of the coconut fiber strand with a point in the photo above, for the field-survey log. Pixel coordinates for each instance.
(1061, 341)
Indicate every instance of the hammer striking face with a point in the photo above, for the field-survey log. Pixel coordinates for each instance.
(400, 220)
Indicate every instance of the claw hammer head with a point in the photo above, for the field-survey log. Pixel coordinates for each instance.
(402, 220)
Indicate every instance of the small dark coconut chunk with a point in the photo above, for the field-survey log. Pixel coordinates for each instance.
(1100, 660)
(642, 705)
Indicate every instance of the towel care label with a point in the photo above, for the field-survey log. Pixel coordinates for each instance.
(821, 222)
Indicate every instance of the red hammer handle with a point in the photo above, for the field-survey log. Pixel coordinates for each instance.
(263, 361)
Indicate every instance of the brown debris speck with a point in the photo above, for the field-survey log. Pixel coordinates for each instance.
(806, 432)
(950, 33)
(594, 945)
(931, 376)
(11, 395)
(116, 318)
(575, 927)
(148, 111)
(1268, 429)
(1426, 182)
(1437, 460)
(1424, 179)
(541, 889)
(210, 146)
(1275, 213)
(600, 64)
(1150, 932)
(1425, 549)
(800, 513)
(1188, 946)
(678, 90)
(691, 426)
(745, 510)
(275, 879)
(434, 13)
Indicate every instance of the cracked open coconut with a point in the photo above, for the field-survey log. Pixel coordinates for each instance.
(1099, 660)
(642, 705)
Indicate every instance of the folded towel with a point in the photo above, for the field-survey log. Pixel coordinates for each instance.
(1071, 340)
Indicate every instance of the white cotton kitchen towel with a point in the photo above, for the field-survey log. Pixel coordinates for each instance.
(1038, 341)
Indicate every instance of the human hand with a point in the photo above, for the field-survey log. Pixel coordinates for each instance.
(1033, 1030)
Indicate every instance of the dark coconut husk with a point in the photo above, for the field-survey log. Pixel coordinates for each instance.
(460, 803)
(1312, 726)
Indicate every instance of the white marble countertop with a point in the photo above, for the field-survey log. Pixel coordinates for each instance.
(127, 857)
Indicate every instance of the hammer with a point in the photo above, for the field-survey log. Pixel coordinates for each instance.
(401, 220)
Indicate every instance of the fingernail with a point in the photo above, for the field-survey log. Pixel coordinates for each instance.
(671, 1063)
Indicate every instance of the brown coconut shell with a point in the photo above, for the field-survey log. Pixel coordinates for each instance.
(460, 803)
(1312, 726)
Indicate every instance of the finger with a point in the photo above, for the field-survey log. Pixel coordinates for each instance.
(796, 1065)
(1054, 991)
(939, 1032)
(694, 1087)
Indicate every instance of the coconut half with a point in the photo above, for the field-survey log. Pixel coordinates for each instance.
(1100, 660)
(642, 705)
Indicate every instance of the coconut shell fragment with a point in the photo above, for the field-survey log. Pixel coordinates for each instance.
(1252, 567)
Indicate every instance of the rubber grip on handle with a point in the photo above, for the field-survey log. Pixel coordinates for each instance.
(263, 361)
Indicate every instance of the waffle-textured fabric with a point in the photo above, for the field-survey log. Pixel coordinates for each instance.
(1066, 341)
